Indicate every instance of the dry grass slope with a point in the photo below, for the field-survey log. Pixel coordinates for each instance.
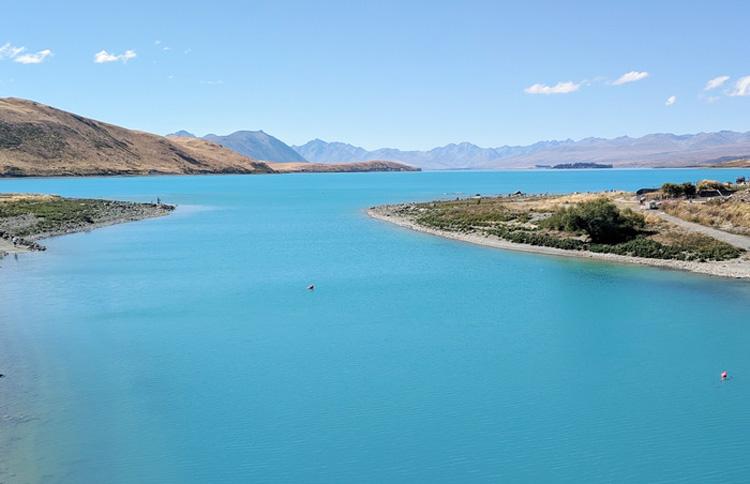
(729, 215)
(738, 163)
(38, 140)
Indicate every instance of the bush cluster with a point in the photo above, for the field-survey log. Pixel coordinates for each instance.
(675, 190)
(600, 219)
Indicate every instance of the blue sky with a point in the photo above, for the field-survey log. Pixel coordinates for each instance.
(403, 74)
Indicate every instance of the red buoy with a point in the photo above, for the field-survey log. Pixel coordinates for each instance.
(724, 375)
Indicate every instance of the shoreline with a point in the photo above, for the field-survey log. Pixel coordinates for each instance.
(280, 169)
(7, 248)
(735, 269)
(108, 213)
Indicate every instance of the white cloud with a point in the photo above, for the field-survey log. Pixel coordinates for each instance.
(559, 88)
(671, 100)
(36, 58)
(103, 56)
(716, 82)
(741, 87)
(631, 76)
(9, 51)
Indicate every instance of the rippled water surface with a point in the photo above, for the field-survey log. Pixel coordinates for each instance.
(187, 349)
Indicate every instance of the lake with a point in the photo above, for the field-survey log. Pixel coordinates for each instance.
(187, 348)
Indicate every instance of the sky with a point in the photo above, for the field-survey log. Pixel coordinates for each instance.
(402, 74)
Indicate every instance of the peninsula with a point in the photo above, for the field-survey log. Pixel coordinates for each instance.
(574, 166)
(354, 167)
(27, 218)
(665, 228)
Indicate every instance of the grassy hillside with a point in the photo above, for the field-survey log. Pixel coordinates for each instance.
(38, 140)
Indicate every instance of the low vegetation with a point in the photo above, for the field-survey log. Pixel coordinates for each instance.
(25, 218)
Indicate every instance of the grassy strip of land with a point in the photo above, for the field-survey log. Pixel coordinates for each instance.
(24, 219)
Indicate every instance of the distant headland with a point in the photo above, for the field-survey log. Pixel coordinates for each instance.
(27, 218)
(574, 166)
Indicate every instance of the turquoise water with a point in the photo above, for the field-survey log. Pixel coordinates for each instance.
(187, 349)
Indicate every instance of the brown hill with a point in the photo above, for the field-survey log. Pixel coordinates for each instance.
(361, 166)
(736, 163)
(38, 140)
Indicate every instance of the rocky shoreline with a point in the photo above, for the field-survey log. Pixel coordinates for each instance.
(736, 268)
(25, 219)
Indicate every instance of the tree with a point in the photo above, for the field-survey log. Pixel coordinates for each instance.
(689, 190)
(672, 190)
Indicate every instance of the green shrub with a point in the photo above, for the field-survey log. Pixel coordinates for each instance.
(600, 219)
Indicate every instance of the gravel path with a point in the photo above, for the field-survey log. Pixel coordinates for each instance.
(741, 241)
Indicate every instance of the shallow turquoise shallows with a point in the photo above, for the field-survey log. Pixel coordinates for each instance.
(187, 349)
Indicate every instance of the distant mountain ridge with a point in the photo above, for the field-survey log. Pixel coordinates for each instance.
(661, 149)
(39, 140)
(258, 145)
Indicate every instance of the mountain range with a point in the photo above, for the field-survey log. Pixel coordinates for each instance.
(653, 150)
(39, 140)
